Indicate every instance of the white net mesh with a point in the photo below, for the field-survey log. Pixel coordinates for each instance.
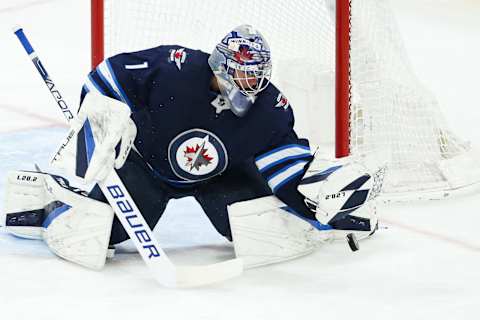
(392, 116)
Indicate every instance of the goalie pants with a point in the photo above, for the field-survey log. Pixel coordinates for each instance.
(151, 194)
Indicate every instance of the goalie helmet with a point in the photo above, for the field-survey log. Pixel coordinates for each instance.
(242, 66)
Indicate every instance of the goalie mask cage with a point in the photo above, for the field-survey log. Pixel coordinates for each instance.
(340, 55)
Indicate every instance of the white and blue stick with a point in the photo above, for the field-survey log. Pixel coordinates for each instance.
(163, 270)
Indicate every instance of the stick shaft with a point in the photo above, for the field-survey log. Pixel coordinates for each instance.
(67, 113)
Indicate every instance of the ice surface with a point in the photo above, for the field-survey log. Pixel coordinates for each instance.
(424, 265)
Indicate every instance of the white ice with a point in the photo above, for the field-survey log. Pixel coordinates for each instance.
(424, 263)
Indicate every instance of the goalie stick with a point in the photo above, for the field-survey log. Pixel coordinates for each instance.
(161, 267)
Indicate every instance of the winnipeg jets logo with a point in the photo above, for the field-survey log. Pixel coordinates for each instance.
(178, 56)
(196, 155)
(282, 102)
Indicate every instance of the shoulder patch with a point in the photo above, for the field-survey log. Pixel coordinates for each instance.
(282, 102)
(178, 56)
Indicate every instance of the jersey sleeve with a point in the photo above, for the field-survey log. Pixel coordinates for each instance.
(283, 167)
(109, 80)
(284, 163)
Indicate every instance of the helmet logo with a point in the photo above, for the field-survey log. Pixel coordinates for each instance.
(243, 55)
(178, 56)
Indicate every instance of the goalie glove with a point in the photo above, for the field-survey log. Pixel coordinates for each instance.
(342, 194)
(102, 127)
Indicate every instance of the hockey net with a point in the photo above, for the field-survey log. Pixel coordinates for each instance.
(387, 113)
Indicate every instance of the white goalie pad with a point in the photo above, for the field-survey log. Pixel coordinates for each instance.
(264, 233)
(78, 231)
(24, 192)
(73, 226)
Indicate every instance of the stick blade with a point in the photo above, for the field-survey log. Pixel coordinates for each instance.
(195, 276)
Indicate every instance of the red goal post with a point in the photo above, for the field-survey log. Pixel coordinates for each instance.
(342, 79)
(97, 32)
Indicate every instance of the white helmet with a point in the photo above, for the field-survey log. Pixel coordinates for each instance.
(242, 65)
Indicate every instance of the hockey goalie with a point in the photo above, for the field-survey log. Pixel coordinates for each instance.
(176, 122)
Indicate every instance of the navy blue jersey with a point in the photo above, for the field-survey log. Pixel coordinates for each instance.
(185, 133)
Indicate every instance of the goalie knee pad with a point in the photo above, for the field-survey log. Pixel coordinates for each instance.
(265, 232)
(44, 206)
